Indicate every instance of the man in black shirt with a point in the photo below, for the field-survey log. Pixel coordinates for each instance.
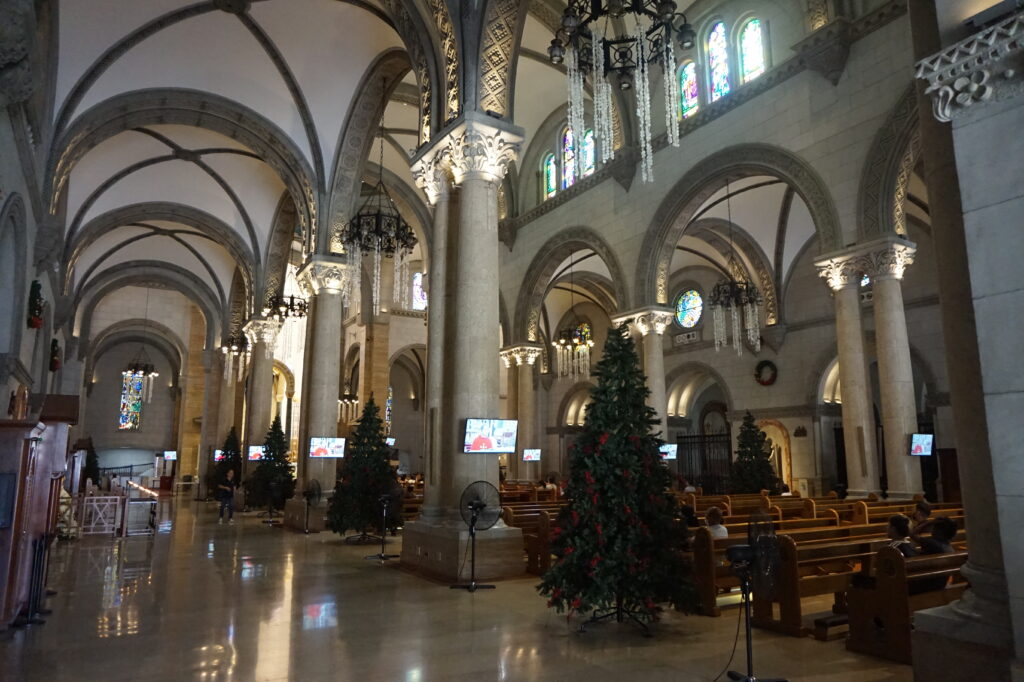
(226, 491)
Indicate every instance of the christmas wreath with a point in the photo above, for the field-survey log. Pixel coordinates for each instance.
(766, 373)
(35, 306)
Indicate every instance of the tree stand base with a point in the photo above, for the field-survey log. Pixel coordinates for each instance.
(620, 615)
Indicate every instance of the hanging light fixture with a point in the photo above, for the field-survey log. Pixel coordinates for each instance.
(634, 35)
(141, 367)
(736, 297)
(283, 307)
(572, 347)
(236, 352)
(378, 228)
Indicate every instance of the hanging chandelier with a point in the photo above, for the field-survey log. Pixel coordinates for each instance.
(141, 367)
(378, 229)
(737, 298)
(283, 307)
(633, 36)
(572, 347)
(236, 352)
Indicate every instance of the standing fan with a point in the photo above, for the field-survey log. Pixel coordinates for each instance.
(480, 507)
(312, 494)
(383, 556)
(755, 564)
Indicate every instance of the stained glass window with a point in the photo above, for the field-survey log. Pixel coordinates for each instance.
(550, 170)
(130, 415)
(718, 61)
(568, 159)
(752, 62)
(582, 333)
(689, 99)
(387, 411)
(865, 281)
(588, 153)
(689, 307)
(419, 294)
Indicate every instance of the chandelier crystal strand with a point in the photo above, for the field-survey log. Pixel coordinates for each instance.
(603, 130)
(718, 313)
(737, 338)
(643, 105)
(576, 125)
(754, 324)
(671, 88)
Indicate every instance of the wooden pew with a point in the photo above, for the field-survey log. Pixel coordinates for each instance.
(865, 513)
(882, 606)
(536, 526)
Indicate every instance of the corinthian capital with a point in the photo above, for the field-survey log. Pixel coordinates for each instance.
(523, 354)
(263, 330)
(328, 274)
(884, 258)
(431, 173)
(472, 146)
(646, 320)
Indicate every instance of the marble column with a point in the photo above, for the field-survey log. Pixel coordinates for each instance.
(213, 370)
(650, 324)
(523, 358)
(476, 150)
(841, 272)
(895, 372)
(262, 334)
(325, 280)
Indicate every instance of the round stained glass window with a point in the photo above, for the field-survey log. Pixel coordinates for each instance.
(689, 307)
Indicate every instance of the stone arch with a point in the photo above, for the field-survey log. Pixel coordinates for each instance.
(693, 369)
(545, 263)
(279, 250)
(887, 170)
(577, 396)
(145, 331)
(13, 265)
(502, 31)
(706, 178)
(155, 341)
(289, 377)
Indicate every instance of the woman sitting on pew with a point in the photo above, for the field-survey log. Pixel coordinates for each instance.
(943, 532)
(899, 532)
(922, 521)
(713, 516)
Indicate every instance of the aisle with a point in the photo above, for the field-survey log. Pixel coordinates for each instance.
(201, 601)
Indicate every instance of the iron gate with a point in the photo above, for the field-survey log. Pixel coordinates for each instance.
(705, 460)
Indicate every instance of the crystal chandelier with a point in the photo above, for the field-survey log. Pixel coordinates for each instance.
(283, 307)
(635, 35)
(378, 228)
(236, 352)
(572, 347)
(737, 298)
(141, 366)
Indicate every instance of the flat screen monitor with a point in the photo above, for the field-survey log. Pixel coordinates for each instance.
(170, 455)
(218, 455)
(531, 455)
(669, 451)
(326, 447)
(255, 453)
(390, 441)
(490, 436)
(921, 444)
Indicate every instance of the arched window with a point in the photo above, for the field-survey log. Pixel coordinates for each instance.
(588, 154)
(550, 171)
(419, 294)
(130, 414)
(689, 99)
(752, 62)
(568, 159)
(718, 61)
(689, 308)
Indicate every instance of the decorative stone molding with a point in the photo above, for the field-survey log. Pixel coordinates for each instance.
(826, 50)
(473, 146)
(17, 50)
(497, 45)
(982, 67)
(522, 354)
(885, 258)
(12, 366)
(431, 175)
(646, 320)
(328, 274)
(260, 330)
(817, 14)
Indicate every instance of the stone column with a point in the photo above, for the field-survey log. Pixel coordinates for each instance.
(213, 370)
(843, 275)
(524, 357)
(895, 373)
(324, 279)
(650, 324)
(262, 334)
(476, 150)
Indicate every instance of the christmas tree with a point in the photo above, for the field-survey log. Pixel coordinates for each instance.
(617, 547)
(91, 468)
(751, 471)
(365, 476)
(272, 482)
(231, 453)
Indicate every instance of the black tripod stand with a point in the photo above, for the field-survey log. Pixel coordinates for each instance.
(382, 556)
(472, 586)
(742, 558)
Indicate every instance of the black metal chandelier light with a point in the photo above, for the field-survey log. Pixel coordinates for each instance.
(736, 297)
(283, 307)
(236, 351)
(633, 36)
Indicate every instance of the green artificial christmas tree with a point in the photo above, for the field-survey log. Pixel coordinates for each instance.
(752, 471)
(366, 475)
(272, 482)
(91, 468)
(618, 549)
(231, 453)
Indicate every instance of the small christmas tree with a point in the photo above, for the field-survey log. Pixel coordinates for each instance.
(91, 468)
(617, 547)
(752, 471)
(231, 458)
(366, 476)
(272, 482)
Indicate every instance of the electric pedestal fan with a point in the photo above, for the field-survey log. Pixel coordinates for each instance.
(756, 564)
(312, 495)
(480, 507)
(382, 556)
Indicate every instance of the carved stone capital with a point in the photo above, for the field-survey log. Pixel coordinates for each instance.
(982, 67)
(431, 174)
(262, 330)
(330, 274)
(522, 354)
(646, 320)
(827, 48)
(473, 146)
(885, 258)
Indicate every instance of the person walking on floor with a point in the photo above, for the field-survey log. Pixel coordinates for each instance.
(226, 491)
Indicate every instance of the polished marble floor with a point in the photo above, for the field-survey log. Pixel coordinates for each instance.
(202, 601)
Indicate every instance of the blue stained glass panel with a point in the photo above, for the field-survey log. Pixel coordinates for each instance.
(718, 61)
(130, 412)
(550, 176)
(752, 62)
(568, 159)
(588, 153)
(689, 97)
(689, 308)
(419, 294)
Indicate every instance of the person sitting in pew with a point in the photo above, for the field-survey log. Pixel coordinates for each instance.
(713, 516)
(943, 532)
(922, 521)
(785, 491)
(899, 532)
(689, 516)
